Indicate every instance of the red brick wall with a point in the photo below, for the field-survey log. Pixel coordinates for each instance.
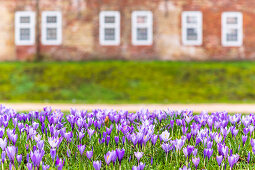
(81, 30)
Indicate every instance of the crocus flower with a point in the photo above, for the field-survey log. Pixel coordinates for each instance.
(165, 136)
(29, 166)
(190, 150)
(90, 132)
(60, 163)
(248, 157)
(19, 158)
(3, 156)
(218, 138)
(108, 158)
(97, 165)
(45, 167)
(89, 154)
(53, 153)
(141, 166)
(81, 135)
(11, 152)
(178, 144)
(154, 139)
(244, 138)
(233, 160)
(138, 155)
(36, 157)
(166, 147)
(196, 161)
(3, 143)
(219, 159)
(81, 148)
(53, 142)
(120, 154)
(40, 145)
(114, 156)
(116, 138)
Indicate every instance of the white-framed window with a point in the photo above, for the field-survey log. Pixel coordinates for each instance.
(232, 29)
(142, 28)
(192, 28)
(51, 28)
(109, 31)
(24, 28)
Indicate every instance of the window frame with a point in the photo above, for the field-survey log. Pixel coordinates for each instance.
(198, 26)
(238, 26)
(103, 25)
(57, 25)
(19, 26)
(148, 25)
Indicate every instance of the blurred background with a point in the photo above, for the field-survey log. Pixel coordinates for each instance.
(127, 52)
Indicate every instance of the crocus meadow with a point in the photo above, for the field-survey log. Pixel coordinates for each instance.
(107, 139)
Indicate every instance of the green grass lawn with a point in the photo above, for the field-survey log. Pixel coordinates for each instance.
(128, 82)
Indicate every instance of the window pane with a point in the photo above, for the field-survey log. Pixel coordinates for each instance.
(25, 20)
(192, 34)
(142, 34)
(232, 35)
(109, 34)
(141, 19)
(109, 19)
(231, 20)
(25, 34)
(51, 19)
(191, 19)
(51, 33)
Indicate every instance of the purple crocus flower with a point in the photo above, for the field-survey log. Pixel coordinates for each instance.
(60, 163)
(116, 138)
(190, 150)
(252, 142)
(36, 157)
(108, 139)
(81, 148)
(3, 143)
(244, 138)
(40, 145)
(154, 139)
(3, 156)
(29, 166)
(114, 156)
(138, 155)
(53, 142)
(195, 152)
(134, 139)
(81, 135)
(179, 144)
(196, 161)
(141, 166)
(165, 136)
(89, 154)
(219, 159)
(166, 147)
(11, 152)
(120, 154)
(53, 153)
(45, 167)
(97, 165)
(90, 132)
(232, 160)
(108, 157)
(19, 158)
(68, 153)
(248, 157)
(245, 131)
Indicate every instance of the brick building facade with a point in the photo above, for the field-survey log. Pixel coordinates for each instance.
(127, 29)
